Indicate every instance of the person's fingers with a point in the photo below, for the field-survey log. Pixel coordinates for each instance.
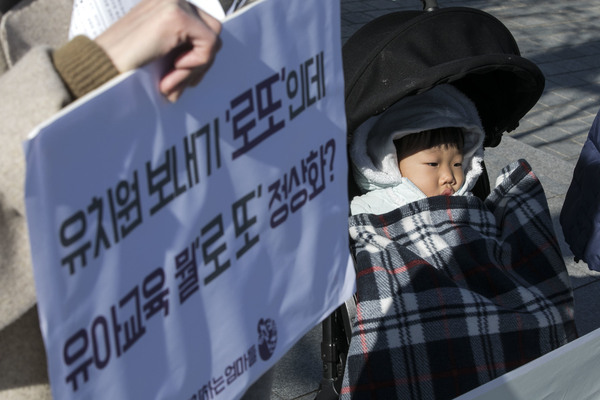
(197, 54)
(194, 59)
(174, 96)
(173, 82)
(177, 80)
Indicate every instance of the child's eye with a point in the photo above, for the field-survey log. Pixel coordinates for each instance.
(458, 164)
(432, 164)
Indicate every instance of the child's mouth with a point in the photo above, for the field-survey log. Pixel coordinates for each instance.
(447, 192)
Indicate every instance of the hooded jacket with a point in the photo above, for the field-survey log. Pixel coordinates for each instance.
(580, 215)
(373, 154)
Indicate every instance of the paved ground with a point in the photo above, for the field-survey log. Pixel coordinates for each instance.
(562, 38)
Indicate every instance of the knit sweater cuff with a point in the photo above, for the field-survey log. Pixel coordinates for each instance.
(83, 65)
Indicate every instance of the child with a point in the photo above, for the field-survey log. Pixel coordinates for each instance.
(422, 146)
(451, 291)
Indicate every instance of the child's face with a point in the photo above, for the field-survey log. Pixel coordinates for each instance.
(435, 171)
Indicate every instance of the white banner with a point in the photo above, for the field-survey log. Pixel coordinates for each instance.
(180, 249)
(568, 372)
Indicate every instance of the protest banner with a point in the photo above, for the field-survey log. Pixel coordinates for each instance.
(180, 249)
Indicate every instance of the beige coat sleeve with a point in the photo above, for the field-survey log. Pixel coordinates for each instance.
(30, 92)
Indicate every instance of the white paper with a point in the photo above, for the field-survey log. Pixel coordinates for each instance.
(92, 17)
(568, 372)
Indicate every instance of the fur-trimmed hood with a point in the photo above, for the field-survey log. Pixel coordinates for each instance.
(372, 151)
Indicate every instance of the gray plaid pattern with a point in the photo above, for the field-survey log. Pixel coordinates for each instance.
(453, 292)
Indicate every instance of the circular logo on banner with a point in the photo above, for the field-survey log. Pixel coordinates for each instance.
(267, 338)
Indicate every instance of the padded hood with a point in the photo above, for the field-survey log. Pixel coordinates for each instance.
(372, 150)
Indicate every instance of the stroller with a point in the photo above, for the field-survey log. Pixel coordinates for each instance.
(410, 52)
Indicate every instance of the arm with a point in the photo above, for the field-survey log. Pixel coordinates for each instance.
(184, 36)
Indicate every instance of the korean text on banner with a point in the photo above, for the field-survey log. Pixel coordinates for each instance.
(180, 249)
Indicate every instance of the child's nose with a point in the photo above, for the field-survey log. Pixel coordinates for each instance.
(447, 176)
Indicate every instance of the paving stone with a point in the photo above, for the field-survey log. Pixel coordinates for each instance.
(299, 372)
(567, 79)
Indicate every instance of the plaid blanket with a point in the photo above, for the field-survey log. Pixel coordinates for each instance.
(453, 292)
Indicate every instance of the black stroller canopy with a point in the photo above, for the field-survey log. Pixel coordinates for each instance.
(409, 52)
